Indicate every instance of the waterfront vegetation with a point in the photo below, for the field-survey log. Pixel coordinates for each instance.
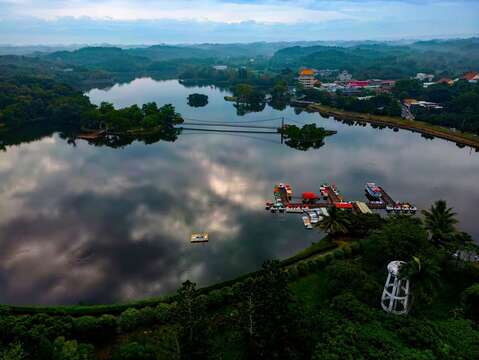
(321, 304)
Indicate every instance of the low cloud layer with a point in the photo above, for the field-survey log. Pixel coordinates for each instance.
(126, 21)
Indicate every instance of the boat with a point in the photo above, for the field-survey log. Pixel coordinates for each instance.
(307, 222)
(199, 237)
(373, 190)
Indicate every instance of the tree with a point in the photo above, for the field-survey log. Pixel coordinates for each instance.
(268, 322)
(190, 314)
(423, 275)
(399, 239)
(335, 223)
(439, 220)
(197, 100)
(71, 350)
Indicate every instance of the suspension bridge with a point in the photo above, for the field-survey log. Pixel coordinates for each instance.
(241, 127)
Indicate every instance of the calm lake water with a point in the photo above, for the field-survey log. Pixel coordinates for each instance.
(97, 224)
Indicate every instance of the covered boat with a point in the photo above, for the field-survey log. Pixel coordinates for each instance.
(373, 190)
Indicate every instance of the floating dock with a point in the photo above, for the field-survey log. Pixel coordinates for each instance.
(314, 206)
(199, 238)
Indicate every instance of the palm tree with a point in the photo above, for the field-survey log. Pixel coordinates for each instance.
(440, 221)
(335, 223)
(424, 279)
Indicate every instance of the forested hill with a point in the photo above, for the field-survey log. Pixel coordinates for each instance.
(384, 60)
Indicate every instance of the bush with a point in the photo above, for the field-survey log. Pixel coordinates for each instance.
(227, 293)
(163, 313)
(470, 301)
(129, 320)
(148, 316)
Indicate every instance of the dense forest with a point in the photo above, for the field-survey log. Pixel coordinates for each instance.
(37, 99)
(384, 61)
(322, 303)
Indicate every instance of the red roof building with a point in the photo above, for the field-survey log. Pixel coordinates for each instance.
(358, 84)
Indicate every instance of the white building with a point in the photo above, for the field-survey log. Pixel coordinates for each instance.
(424, 77)
(220, 67)
(344, 76)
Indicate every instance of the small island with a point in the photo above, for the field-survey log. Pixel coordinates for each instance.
(197, 100)
(309, 136)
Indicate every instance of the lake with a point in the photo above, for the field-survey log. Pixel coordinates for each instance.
(96, 224)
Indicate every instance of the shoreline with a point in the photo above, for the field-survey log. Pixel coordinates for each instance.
(466, 139)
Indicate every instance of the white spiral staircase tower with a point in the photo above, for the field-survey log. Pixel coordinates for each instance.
(395, 296)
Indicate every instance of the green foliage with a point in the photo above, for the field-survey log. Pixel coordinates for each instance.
(336, 223)
(401, 239)
(440, 222)
(71, 350)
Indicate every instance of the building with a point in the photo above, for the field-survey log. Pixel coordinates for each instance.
(471, 76)
(220, 67)
(445, 81)
(306, 78)
(358, 84)
(344, 76)
(326, 73)
(424, 77)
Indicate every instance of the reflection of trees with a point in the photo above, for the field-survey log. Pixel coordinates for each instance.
(69, 134)
(245, 108)
(309, 136)
(197, 100)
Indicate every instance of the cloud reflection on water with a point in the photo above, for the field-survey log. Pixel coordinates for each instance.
(100, 224)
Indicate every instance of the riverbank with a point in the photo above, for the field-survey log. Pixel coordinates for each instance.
(460, 138)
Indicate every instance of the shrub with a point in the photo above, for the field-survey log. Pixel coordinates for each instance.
(129, 320)
(163, 313)
(148, 316)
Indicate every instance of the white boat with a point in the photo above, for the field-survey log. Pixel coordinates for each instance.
(307, 222)
(199, 238)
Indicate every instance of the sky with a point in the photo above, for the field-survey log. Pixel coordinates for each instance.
(49, 22)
